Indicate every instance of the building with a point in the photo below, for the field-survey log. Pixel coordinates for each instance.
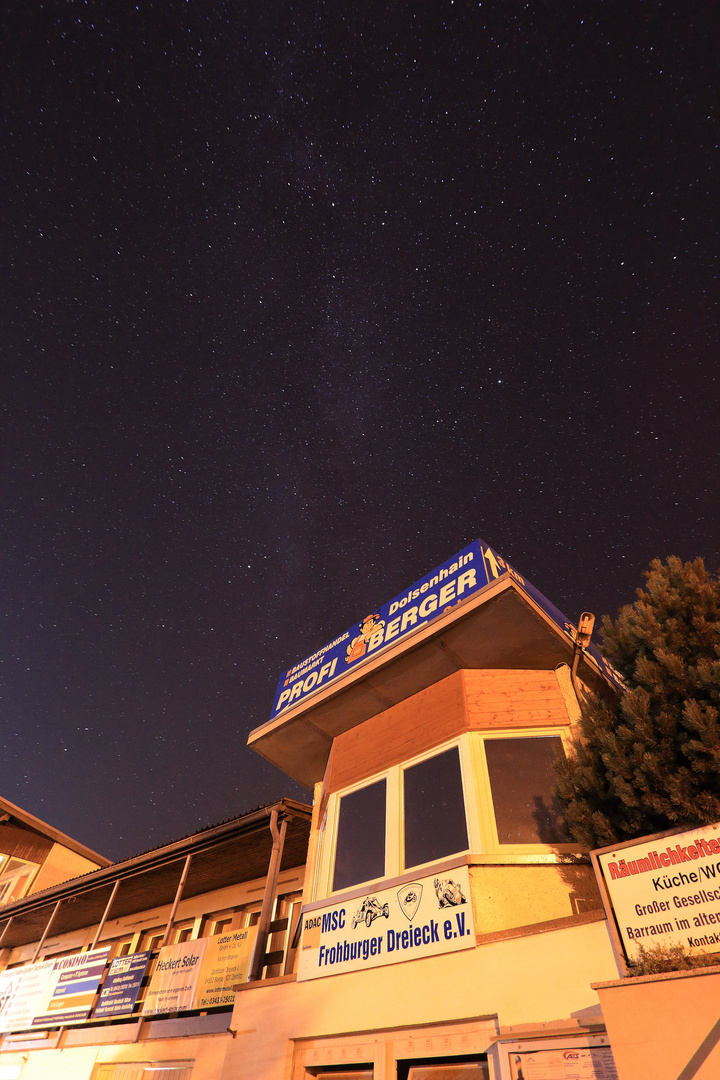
(220, 886)
(35, 856)
(429, 921)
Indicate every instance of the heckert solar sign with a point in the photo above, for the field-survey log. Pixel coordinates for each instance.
(448, 585)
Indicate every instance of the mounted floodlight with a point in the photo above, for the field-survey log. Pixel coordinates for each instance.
(585, 629)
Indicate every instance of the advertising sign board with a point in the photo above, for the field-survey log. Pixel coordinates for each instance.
(22, 990)
(175, 978)
(51, 993)
(419, 918)
(664, 888)
(226, 963)
(122, 984)
(200, 974)
(71, 989)
(445, 587)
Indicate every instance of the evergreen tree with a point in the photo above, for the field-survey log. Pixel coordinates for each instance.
(650, 759)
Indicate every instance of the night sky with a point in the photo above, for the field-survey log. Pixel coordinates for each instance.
(297, 300)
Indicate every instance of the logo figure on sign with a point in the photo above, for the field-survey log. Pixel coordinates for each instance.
(370, 910)
(371, 625)
(409, 898)
(448, 892)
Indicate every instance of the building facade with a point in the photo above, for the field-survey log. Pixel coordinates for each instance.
(427, 920)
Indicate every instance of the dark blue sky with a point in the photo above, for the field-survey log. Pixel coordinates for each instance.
(300, 298)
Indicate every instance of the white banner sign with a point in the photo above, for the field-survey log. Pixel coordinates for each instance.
(420, 918)
(666, 890)
(23, 993)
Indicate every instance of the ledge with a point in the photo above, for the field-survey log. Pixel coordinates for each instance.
(566, 922)
(258, 984)
(664, 976)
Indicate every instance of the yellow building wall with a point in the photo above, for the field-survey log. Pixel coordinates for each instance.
(665, 1026)
(60, 865)
(514, 895)
(529, 981)
(78, 1062)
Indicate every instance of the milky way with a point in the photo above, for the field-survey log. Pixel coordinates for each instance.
(297, 300)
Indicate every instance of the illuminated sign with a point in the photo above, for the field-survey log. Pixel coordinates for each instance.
(664, 889)
(444, 588)
(122, 985)
(200, 974)
(51, 993)
(420, 918)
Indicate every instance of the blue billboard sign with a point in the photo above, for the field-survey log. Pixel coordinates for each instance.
(444, 588)
(122, 985)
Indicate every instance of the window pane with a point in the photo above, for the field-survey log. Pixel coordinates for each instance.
(360, 851)
(434, 809)
(522, 778)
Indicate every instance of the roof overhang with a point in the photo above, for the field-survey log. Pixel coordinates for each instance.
(41, 827)
(498, 627)
(224, 855)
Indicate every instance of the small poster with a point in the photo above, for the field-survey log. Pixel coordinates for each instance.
(122, 984)
(71, 989)
(569, 1063)
(175, 978)
(227, 963)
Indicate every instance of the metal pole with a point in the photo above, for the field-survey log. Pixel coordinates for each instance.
(101, 927)
(178, 894)
(269, 895)
(8, 924)
(41, 942)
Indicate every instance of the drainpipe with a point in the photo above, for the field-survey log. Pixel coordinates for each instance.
(278, 836)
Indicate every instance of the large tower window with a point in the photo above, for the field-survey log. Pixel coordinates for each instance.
(434, 809)
(360, 848)
(522, 779)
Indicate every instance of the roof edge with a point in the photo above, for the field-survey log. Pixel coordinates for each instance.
(96, 879)
(51, 833)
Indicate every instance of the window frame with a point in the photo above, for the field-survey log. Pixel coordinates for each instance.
(486, 806)
(395, 819)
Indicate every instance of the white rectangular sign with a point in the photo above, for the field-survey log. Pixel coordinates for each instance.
(570, 1063)
(23, 991)
(420, 918)
(666, 889)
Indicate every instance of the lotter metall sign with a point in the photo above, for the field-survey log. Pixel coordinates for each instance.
(446, 587)
(664, 888)
(418, 918)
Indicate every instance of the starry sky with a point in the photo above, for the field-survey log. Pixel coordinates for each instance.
(298, 298)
